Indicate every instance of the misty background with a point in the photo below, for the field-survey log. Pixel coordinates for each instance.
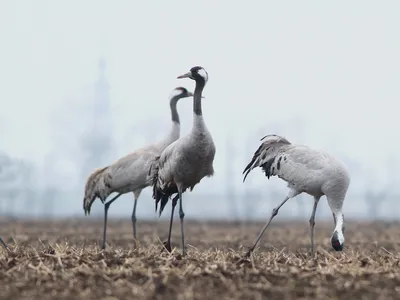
(86, 82)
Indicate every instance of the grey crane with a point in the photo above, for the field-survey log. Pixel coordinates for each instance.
(305, 170)
(184, 163)
(129, 173)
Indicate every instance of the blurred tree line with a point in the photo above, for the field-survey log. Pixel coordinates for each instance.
(42, 191)
(21, 194)
(56, 187)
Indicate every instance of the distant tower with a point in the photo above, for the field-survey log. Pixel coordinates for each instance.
(98, 142)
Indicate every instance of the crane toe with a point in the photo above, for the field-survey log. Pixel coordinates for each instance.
(167, 246)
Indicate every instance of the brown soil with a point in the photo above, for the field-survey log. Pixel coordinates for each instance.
(62, 260)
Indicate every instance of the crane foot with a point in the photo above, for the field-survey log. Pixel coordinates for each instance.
(167, 246)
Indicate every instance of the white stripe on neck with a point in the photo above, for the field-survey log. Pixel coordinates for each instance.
(203, 74)
(174, 93)
(339, 226)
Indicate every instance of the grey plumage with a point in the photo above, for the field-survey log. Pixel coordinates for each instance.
(184, 163)
(305, 170)
(130, 173)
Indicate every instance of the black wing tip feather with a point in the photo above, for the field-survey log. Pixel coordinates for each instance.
(163, 199)
(266, 166)
(161, 196)
(250, 166)
(245, 176)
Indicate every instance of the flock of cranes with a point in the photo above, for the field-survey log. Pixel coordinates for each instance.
(176, 164)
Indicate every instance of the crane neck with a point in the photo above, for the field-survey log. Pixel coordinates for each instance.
(174, 112)
(339, 227)
(339, 220)
(200, 83)
(175, 130)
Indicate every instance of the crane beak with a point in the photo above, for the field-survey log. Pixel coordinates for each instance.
(187, 75)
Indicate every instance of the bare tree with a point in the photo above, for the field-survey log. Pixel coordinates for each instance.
(373, 201)
(230, 175)
(96, 144)
(15, 177)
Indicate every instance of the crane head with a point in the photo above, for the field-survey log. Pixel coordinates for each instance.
(337, 241)
(196, 73)
(180, 92)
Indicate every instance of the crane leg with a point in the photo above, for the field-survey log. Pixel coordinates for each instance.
(4, 244)
(182, 216)
(274, 213)
(167, 244)
(312, 224)
(106, 207)
(133, 217)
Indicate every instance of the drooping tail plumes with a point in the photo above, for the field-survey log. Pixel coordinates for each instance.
(97, 185)
(160, 193)
(265, 154)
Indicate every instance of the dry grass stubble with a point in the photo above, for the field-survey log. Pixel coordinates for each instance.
(59, 260)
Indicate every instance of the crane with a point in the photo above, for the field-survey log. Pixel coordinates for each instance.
(185, 162)
(129, 173)
(305, 170)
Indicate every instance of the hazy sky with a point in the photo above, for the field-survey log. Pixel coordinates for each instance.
(335, 64)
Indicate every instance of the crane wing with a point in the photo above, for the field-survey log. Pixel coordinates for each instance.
(161, 176)
(265, 155)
